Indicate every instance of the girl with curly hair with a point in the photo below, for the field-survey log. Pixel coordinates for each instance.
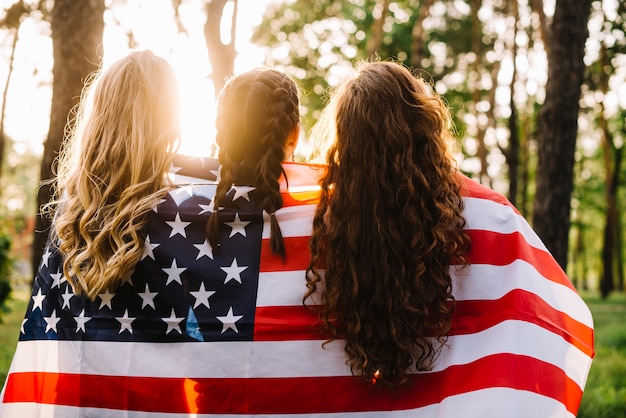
(113, 169)
(389, 223)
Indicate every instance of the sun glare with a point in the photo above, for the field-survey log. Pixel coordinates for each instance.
(154, 28)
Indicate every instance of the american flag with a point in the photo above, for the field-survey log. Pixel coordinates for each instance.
(197, 332)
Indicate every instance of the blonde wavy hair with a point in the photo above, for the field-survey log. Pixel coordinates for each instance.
(113, 169)
(389, 223)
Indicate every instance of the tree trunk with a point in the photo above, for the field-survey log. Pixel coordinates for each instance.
(375, 40)
(513, 150)
(417, 33)
(558, 126)
(77, 28)
(12, 21)
(221, 55)
(5, 92)
(612, 166)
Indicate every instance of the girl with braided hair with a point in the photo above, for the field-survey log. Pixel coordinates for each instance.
(257, 129)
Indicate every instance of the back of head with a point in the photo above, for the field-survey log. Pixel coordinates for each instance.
(257, 111)
(113, 164)
(389, 223)
(132, 110)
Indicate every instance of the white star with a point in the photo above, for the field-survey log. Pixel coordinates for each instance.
(242, 191)
(57, 279)
(38, 300)
(106, 298)
(229, 321)
(173, 273)
(23, 323)
(233, 272)
(178, 226)
(67, 296)
(156, 205)
(204, 249)
(147, 298)
(52, 321)
(128, 278)
(216, 173)
(45, 257)
(148, 249)
(202, 296)
(173, 323)
(206, 208)
(125, 322)
(238, 226)
(81, 320)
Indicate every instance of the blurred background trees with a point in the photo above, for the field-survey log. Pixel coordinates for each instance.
(538, 105)
(517, 122)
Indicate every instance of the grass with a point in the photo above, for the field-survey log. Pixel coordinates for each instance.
(10, 328)
(605, 393)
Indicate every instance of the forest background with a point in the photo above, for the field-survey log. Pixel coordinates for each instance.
(537, 90)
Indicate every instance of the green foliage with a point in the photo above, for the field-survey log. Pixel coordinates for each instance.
(605, 392)
(10, 329)
(318, 42)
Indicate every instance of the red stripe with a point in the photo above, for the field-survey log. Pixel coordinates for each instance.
(291, 395)
(472, 316)
(488, 247)
(301, 175)
(279, 323)
(297, 256)
(300, 198)
(499, 249)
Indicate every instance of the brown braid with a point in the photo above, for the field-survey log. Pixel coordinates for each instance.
(257, 111)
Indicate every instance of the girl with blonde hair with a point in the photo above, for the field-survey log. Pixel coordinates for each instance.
(112, 170)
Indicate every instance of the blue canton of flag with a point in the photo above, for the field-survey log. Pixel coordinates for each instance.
(181, 290)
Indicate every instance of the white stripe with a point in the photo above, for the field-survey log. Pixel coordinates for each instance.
(279, 359)
(294, 221)
(517, 337)
(485, 281)
(474, 282)
(484, 214)
(486, 403)
(281, 288)
(304, 188)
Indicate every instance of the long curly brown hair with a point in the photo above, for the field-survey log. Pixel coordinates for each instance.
(256, 113)
(389, 224)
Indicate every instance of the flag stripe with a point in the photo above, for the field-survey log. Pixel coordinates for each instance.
(284, 358)
(480, 403)
(488, 247)
(239, 342)
(311, 394)
(478, 281)
(277, 323)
